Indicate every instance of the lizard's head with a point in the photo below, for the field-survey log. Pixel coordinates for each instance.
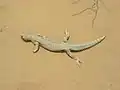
(26, 37)
(32, 37)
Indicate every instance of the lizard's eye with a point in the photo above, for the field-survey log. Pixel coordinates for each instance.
(22, 37)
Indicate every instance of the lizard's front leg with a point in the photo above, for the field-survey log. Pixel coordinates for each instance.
(36, 47)
(74, 57)
(66, 37)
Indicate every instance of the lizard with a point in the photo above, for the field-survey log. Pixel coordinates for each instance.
(65, 47)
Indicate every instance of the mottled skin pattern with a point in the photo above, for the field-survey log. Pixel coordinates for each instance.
(43, 41)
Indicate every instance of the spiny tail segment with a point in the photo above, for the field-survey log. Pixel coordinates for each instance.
(88, 45)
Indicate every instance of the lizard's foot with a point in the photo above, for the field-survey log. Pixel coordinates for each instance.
(35, 50)
(74, 57)
(36, 47)
(78, 61)
(67, 36)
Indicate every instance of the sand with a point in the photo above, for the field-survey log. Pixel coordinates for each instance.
(20, 69)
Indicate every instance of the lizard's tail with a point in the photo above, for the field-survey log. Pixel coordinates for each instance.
(82, 47)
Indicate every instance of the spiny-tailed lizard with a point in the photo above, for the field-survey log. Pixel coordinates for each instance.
(64, 46)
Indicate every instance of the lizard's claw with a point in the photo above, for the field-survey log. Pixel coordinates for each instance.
(78, 61)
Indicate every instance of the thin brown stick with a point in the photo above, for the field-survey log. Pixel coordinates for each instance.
(94, 8)
(81, 11)
(94, 18)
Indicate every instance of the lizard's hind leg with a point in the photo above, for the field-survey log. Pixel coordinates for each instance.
(67, 36)
(74, 57)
